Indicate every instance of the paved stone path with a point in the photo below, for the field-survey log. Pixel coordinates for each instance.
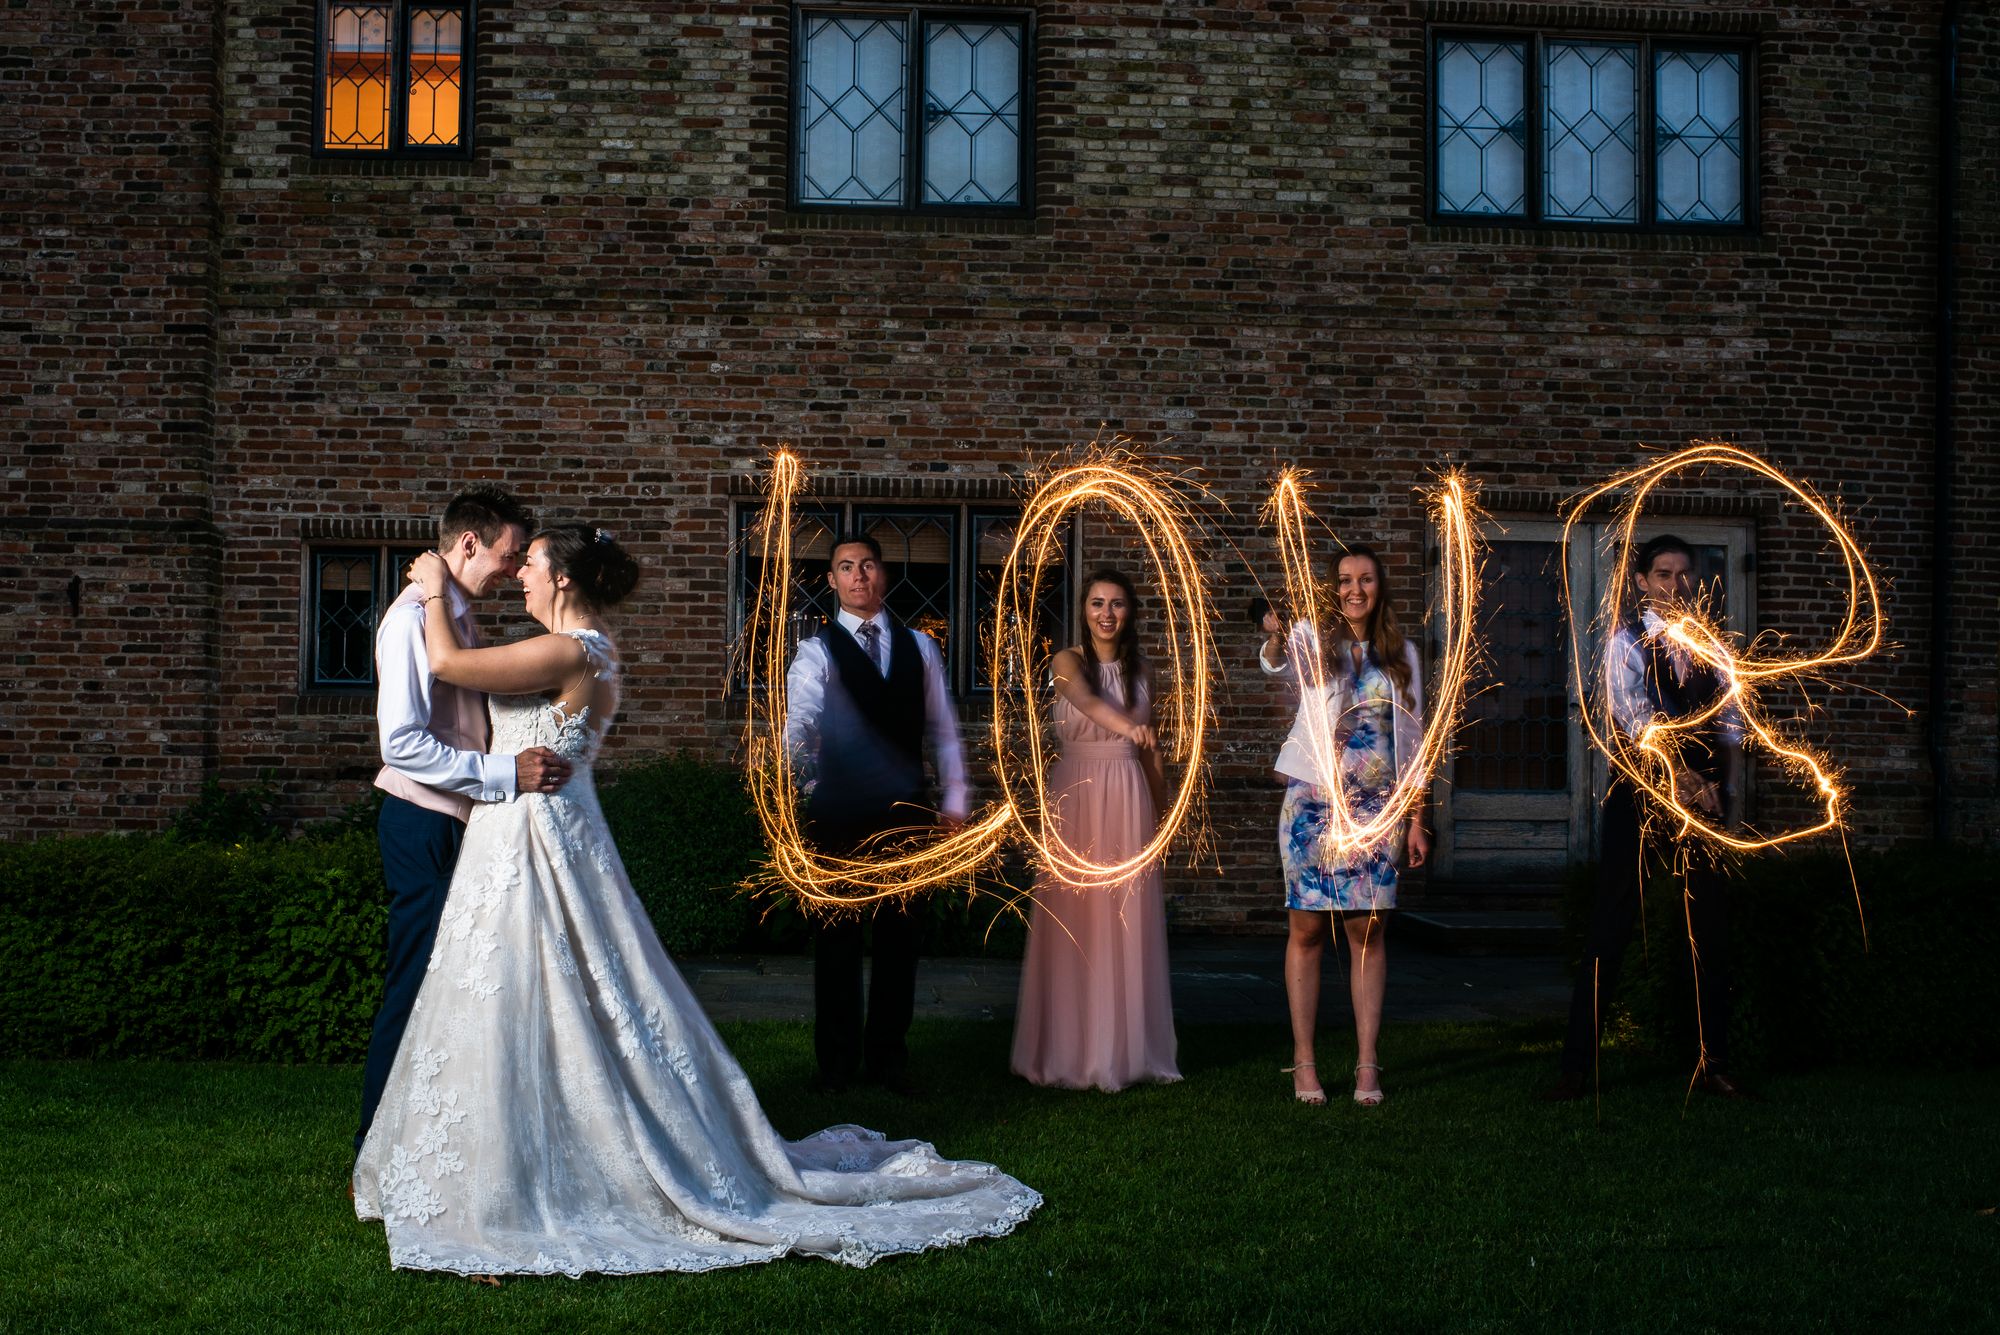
(1230, 979)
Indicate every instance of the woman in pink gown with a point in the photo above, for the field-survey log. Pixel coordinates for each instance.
(1096, 1009)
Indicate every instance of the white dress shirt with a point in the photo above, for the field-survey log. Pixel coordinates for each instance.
(1632, 705)
(403, 708)
(805, 686)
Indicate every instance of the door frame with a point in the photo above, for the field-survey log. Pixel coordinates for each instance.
(1587, 569)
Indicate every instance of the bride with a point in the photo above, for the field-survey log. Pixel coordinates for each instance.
(560, 1104)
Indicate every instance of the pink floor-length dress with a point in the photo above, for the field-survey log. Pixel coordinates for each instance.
(1096, 1006)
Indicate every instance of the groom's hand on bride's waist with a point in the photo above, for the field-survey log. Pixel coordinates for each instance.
(539, 770)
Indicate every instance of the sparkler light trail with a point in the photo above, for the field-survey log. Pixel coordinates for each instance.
(1455, 515)
(1144, 497)
(905, 861)
(1652, 760)
(894, 866)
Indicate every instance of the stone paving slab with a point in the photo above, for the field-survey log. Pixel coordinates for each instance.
(1215, 979)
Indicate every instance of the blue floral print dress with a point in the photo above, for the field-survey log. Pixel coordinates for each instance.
(1366, 738)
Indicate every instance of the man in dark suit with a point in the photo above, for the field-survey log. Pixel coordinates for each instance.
(1647, 677)
(868, 697)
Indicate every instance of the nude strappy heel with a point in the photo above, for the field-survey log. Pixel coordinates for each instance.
(1315, 1097)
(1371, 1098)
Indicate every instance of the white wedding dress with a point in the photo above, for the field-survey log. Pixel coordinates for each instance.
(561, 1105)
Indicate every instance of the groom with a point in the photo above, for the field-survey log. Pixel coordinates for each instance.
(434, 762)
(867, 698)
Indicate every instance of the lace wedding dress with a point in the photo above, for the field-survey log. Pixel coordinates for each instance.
(561, 1105)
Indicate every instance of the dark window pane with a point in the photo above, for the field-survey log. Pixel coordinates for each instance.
(972, 112)
(853, 75)
(343, 618)
(1698, 136)
(1480, 127)
(992, 538)
(1516, 730)
(918, 548)
(813, 603)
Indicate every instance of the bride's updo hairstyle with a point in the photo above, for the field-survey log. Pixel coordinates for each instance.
(600, 571)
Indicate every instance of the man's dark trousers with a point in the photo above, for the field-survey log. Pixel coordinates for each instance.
(419, 849)
(1612, 917)
(840, 1041)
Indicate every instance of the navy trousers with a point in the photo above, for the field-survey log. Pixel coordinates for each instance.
(419, 849)
(842, 1041)
(1612, 916)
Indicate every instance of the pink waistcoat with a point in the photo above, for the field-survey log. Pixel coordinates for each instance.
(458, 719)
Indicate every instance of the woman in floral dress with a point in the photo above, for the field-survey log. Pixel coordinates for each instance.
(1372, 708)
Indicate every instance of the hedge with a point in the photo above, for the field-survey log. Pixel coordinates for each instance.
(1808, 992)
(222, 939)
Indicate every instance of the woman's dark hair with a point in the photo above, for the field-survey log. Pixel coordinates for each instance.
(1131, 662)
(601, 571)
(1384, 633)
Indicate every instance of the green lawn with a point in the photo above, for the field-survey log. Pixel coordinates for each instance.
(209, 1197)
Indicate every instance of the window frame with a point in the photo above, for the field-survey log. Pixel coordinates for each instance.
(912, 205)
(390, 556)
(397, 128)
(961, 650)
(1534, 41)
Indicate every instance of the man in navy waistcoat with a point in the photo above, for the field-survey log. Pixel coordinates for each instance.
(868, 698)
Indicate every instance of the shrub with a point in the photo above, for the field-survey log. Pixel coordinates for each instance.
(689, 837)
(1807, 992)
(187, 944)
(164, 947)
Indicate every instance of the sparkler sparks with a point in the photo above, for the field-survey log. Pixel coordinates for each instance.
(895, 866)
(1145, 498)
(1454, 513)
(1652, 760)
(905, 861)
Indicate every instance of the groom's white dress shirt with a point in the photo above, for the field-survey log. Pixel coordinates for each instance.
(404, 699)
(805, 686)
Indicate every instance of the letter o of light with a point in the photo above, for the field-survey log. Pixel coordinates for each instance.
(1151, 507)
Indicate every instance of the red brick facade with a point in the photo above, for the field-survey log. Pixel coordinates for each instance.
(221, 348)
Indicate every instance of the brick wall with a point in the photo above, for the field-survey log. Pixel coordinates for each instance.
(610, 308)
(108, 550)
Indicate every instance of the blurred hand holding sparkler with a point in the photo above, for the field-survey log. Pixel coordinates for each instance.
(1455, 515)
(1652, 757)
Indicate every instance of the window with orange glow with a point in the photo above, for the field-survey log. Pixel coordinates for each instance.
(393, 76)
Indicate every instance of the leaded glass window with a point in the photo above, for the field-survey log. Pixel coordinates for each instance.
(1480, 126)
(992, 539)
(1629, 132)
(911, 110)
(1589, 132)
(394, 78)
(1698, 104)
(346, 590)
(943, 564)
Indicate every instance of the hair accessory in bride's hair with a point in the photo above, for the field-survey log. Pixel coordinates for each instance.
(603, 536)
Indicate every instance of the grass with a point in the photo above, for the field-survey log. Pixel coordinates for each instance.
(209, 1197)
